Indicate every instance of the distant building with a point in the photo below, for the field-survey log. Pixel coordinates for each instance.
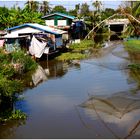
(76, 28)
(59, 20)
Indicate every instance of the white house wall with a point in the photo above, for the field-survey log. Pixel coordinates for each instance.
(49, 22)
(62, 22)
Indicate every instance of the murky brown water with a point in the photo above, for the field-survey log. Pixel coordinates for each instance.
(100, 98)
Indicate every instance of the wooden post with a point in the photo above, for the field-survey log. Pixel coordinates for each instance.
(47, 58)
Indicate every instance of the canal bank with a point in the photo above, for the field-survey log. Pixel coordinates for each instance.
(54, 107)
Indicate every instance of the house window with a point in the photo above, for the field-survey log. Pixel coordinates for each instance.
(50, 22)
(62, 22)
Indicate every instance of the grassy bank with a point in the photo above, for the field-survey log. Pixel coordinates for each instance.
(83, 45)
(12, 65)
(71, 56)
(132, 46)
(75, 51)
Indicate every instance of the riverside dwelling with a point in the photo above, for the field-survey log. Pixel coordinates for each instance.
(76, 28)
(59, 20)
(37, 39)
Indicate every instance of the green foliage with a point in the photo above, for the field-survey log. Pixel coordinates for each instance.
(17, 114)
(12, 115)
(107, 13)
(8, 88)
(132, 45)
(10, 85)
(71, 56)
(74, 12)
(13, 17)
(84, 11)
(83, 45)
(135, 73)
(136, 9)
(59, 8)
(25, 60)
(45, 8)
(134, 66)
(7, 70)
(4, 58)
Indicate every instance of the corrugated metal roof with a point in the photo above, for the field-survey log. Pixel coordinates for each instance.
(60, 14)
(39, 27)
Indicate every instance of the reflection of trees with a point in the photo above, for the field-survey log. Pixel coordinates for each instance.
(134, 57)
(135, 74)
(7, 130)
(10, 118)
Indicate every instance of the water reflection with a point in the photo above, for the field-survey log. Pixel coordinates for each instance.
(118, 113)
(135, 76)
(56, 68)
(107, 113)
(40, 75)
(48, 70)
(7, 130)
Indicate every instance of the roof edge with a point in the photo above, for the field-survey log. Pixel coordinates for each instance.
(60, 14)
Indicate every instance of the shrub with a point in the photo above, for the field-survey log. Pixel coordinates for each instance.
(9, 87)
(25, 60)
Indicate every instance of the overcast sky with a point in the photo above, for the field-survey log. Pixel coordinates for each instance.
(69, 4)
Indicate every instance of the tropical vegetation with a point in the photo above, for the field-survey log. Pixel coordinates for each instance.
(133, 48)
(83, 45)
(132, 45)
(12, 65)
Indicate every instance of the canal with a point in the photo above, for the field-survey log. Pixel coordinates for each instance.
(98, 98)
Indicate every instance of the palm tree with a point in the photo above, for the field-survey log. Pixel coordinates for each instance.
(45, 8)
(97, 4)
(32, 5)
(97, 13)
(133, 17)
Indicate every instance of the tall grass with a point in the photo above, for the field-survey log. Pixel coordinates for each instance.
(132, 45)
(71, 56)
(83, 45)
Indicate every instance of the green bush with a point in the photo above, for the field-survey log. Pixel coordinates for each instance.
(4, 58)
(9, 87)
(12, 115)
(134, 66)
(7, 70)
(10, 66)
(25, 60)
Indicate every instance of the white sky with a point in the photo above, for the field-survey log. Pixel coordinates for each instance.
(69, 4)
